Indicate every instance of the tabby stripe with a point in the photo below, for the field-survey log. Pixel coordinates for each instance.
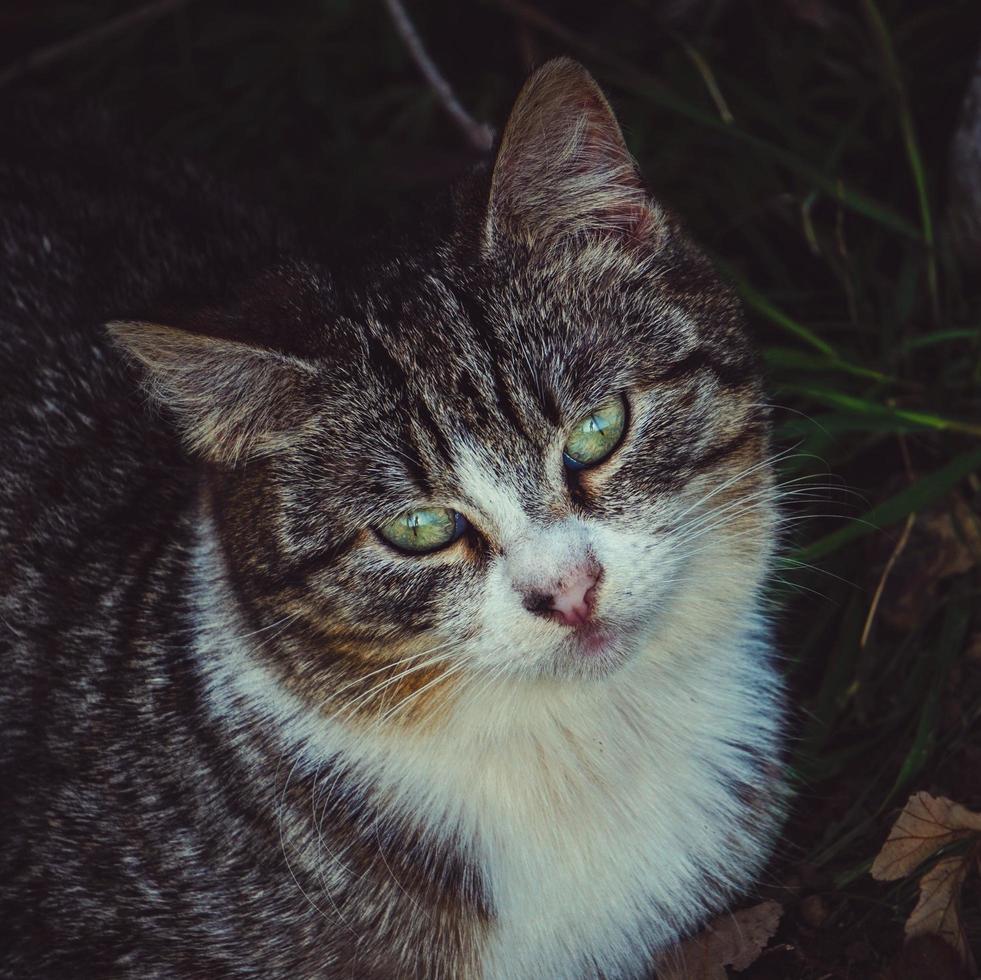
(385, 363)
(412, 458)
(152, 605)
(550, 404)
(69, 560)
(218, 501)
(286, 575)
(397, 378)
(440, 442)
(237, 580)
(484, 332)
(730, 374)
(229, 779)
(714, 456)
(469, 392)
(297, 574)
(135, 599)
(348, 634)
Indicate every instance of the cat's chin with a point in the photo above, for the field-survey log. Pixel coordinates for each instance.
(595, 650)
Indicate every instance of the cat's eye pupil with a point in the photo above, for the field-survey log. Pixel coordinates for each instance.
(596, 435)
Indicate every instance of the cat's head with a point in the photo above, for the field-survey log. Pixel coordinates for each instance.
(533, 448)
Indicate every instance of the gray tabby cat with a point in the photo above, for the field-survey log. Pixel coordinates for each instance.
(413, 628)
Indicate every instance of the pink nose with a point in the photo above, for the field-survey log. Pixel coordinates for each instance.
(571, 601)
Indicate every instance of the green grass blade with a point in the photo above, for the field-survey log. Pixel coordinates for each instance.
(913, 155)
(953, 633)
(650, 87)
(915, 497)
(862, 406)
(941, 337)
(758, 302)
(837, 423)
(785, 359)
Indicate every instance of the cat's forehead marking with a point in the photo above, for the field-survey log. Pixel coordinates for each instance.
(498, 493)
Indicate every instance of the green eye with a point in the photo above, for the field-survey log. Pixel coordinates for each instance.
(597, 435)
(425, 529)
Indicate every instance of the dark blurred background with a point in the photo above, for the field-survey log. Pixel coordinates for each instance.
(808, 143)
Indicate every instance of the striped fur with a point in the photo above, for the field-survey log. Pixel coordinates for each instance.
(242, 736)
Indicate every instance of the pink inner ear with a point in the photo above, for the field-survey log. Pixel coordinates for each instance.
(231, 400)
(604, 152)
(563, 166)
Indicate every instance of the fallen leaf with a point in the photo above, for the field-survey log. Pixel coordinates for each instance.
(735, 940)
(817, 13)
(938, 911)
(943, 543)
(973, 651)
(926, 824)
(926, 956)
(814, 911)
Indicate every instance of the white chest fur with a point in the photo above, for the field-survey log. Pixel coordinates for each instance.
(604, 811)
(606, 815)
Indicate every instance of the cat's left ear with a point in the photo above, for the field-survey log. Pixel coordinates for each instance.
(563, 166)
(232, 400)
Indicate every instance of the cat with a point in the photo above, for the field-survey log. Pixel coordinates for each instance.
(394, 617)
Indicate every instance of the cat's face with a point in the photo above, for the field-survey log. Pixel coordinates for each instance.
(531, 450)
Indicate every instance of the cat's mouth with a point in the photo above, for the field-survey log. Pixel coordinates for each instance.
(594, 639)
(596, 649)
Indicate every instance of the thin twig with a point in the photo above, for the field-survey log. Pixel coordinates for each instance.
(896, 552)
(893, 78)
(708, 77)
(479, 135)
(532, 15)
(904, 449)
(44, 57)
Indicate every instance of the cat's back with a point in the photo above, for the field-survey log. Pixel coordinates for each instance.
(91, 479)
(95, 495)
(95, 224)
(94, 228)
(90, 228)
(95, 221)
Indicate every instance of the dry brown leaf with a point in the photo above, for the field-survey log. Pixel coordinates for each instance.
(969, 523)
(938, 911)
(926, 957)
(973, 651)
(926, 824)
(943, 543)
(735, 940)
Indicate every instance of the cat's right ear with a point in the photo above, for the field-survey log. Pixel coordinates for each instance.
(563, 167)
(232, 400)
